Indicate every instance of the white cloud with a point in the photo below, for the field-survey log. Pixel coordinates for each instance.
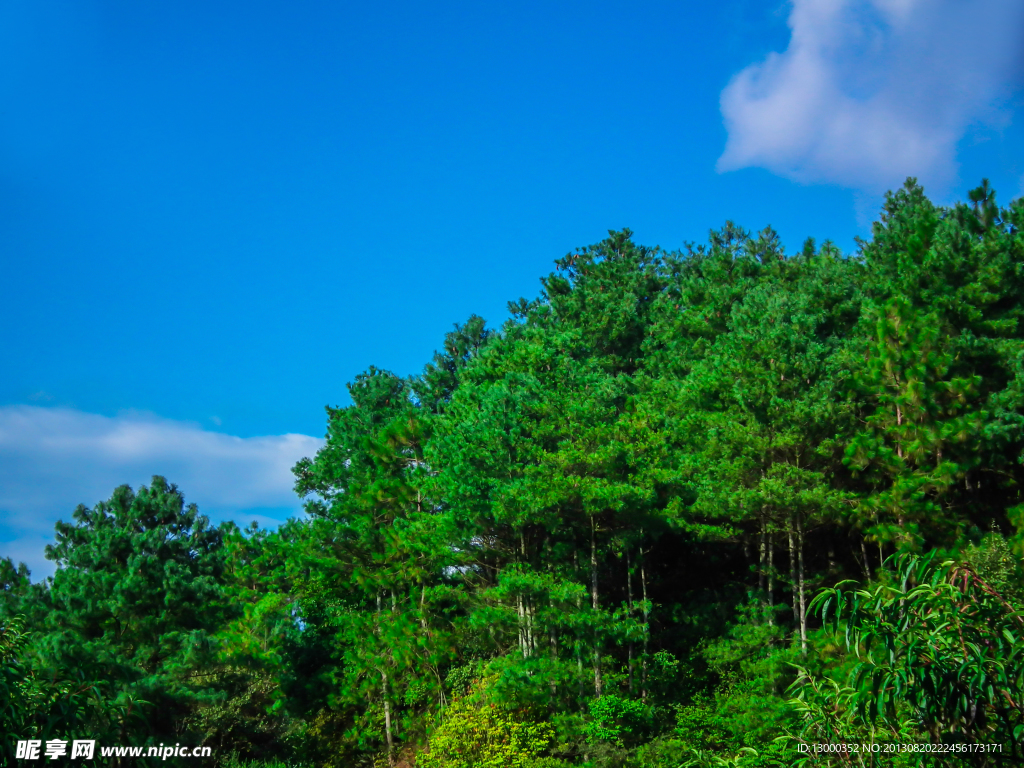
(52, 459)
(872, 91)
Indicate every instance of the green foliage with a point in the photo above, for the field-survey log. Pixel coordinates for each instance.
(745, 758)
(459, 679)
(940, 659)
(619, 721)
(616, 509)
(479, 735)
(743, 717)
(15, 693)
(136, 596)
(235, 762)
(14, 586)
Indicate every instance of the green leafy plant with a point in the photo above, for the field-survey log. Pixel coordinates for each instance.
(478, 735)
(618, 720)
(940, 659)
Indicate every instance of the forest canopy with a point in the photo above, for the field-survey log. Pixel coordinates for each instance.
(720, 506)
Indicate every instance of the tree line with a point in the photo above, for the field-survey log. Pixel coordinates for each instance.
(713, 506)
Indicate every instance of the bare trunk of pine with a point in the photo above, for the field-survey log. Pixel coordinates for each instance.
(629, 608)
(899, 452)
(800, 578)
(647, 625)
(553, 650)
(387, 716)
(867, 563)
(579, 610)
(531, 638)
(771, 579)
(595, 603)
(792, 571)
(522, 626)
(899, 422)
(552, 637)
(524, 616)
(579, 667)
(760, 561)
(384, 687)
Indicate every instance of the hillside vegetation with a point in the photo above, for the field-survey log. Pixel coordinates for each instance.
(723, 506)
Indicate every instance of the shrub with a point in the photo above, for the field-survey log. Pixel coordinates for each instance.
(483, 736)
(617, 720)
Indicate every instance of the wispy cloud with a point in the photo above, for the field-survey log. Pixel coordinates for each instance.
(52, 459)
(872, 91)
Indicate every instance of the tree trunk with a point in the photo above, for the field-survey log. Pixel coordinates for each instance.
(771, 579)
(629, 614)
(384, 681)
(792, 572)
(760, 563)
(579, 610)
(867, 563)
(387, 717)
(553, 650)
(595, 603)
(531, 638)
(800, 579)
(647, 623)
(522, 626)
(552, 636)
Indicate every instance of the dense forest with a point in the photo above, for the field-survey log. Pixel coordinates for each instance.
(721, 506)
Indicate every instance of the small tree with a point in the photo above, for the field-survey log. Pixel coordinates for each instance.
(135, 597)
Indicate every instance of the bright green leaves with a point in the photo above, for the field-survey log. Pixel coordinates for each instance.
(476, 734)
(940, 653)
(619, 720)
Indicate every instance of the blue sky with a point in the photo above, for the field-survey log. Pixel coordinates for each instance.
(213, 215)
